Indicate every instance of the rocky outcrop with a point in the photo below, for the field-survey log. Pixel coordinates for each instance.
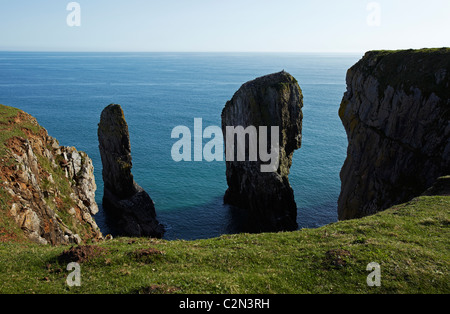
(396, 112)
(267, 197)
(131, 208)
(47, 189)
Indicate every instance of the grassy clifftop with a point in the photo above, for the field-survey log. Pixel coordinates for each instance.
(410, 242)
(426, 69)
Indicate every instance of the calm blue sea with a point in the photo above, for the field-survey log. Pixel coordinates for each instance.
(66, 92)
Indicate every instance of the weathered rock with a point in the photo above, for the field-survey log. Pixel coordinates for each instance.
(267, 197)
(79, 167)
(131, 207)
(396, 112)
(49, 204)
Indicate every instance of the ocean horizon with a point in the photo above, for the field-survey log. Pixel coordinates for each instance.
(66, 92)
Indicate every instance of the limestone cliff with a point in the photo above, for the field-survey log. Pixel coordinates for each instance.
(396, 112)
(130, 206)
(46, 190)
(267, 197)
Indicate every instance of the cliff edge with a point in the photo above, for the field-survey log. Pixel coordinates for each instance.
(47, 191)
(396, 112)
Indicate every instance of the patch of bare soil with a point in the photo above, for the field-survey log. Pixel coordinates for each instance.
(157, 289)
(80, 254)
(337, 258)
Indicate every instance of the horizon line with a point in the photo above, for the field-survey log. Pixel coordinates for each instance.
(177, 51)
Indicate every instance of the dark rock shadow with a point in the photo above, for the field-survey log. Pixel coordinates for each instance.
(215, 218)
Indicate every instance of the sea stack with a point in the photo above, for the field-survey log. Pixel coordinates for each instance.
(396, 113)
(131, 208)
(266, 197)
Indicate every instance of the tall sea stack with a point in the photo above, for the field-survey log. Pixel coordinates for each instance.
(132, 209)
(396, 112)
(267, 198)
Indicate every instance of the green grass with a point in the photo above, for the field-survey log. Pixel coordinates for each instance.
(409, 241)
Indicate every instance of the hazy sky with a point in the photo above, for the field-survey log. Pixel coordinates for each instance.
(225, 25)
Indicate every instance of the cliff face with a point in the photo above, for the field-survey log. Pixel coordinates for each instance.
(267, 197)
(396, 113)
(47, 190)
(130, 206)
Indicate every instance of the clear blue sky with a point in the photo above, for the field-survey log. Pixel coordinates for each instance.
(224, 25)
